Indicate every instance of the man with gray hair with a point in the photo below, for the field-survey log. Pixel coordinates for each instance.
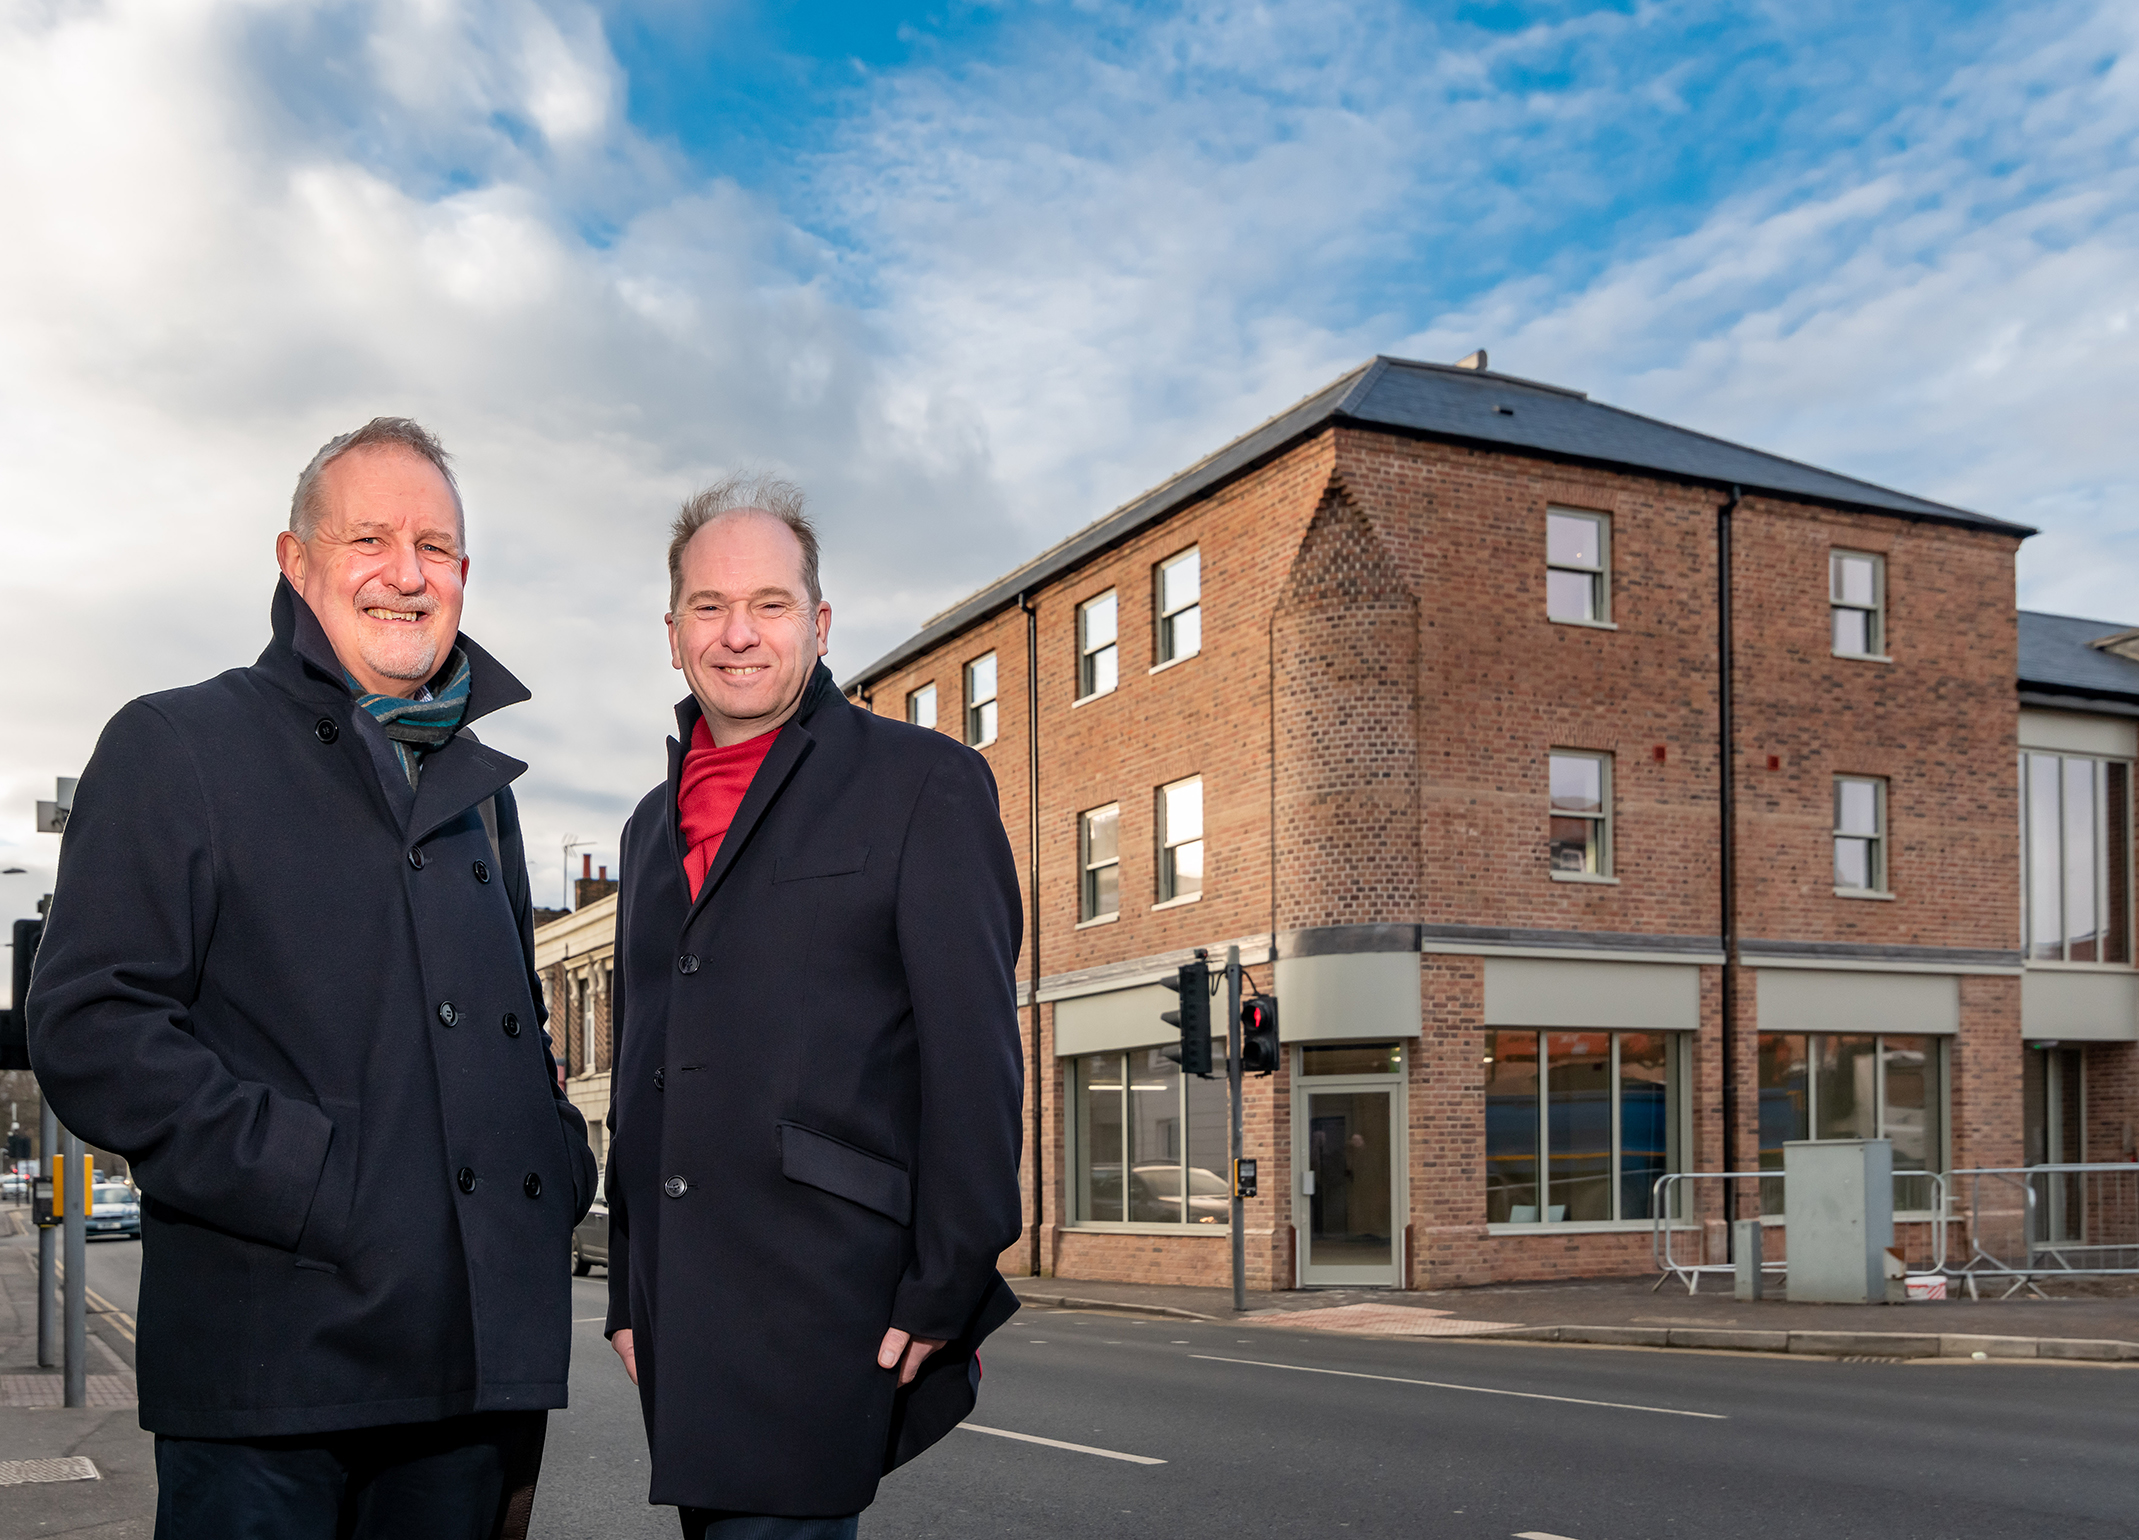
(288, 974)
(818, 1073)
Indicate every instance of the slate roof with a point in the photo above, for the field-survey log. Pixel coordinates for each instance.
(2056, 661)
(1453, 404)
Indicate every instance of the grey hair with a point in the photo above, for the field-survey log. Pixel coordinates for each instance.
(771, 495)
(381, 432)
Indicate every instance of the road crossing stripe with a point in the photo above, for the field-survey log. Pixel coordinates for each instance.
(1483, 1390)
(1056, 1443)
(1539, 1534)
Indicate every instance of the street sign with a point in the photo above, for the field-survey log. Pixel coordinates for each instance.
(51, 818)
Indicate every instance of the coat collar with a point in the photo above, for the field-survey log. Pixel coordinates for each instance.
(820, 695)
(457, 775)
(302, 660)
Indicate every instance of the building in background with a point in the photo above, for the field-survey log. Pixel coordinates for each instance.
(575, 959)
(1574, 850)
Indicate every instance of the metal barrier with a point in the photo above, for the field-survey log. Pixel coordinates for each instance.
(1674, 1203)
(2063, 1221)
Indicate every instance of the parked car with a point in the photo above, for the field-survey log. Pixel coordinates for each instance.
(590, 1237)
(14, 1187)
(114, 1209)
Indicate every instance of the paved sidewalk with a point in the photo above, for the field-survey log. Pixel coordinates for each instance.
(120, 1503)
(2098, 1324)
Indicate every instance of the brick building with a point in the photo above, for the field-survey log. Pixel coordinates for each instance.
(1422, 693)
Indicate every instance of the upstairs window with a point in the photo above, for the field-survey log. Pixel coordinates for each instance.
(1181, 840)
(1859, 834)
(921, 706)
(980, 701)
(1097, 658)
(1856, 597)
(1581, 814)
(1099, 863)
(1577, 566)
(1179, 594)
(2076, 833)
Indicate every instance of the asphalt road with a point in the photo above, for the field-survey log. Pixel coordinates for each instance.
(1268, 1432)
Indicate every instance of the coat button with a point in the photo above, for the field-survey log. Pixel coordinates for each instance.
(325, 730)
(415, 859)
(446, 1014)
(687, 963)
(466, 1179)
(511, 1024)
(482, 871)
(660, 1077)
(532, 1186)
(675, 1187)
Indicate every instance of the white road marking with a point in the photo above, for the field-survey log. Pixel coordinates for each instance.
(1056, 1443)
(1483, 1390)
(1539, 1534)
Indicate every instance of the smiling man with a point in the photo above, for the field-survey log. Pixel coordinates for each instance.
(288, 974)
(815, 1160)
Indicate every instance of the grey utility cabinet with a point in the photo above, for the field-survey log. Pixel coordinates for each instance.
(1839, 1220)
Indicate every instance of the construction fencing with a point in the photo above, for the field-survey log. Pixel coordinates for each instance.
(2025, 1223)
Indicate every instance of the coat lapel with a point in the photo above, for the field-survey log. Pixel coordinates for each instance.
(781, 761)
(785, 754)
(456, 776)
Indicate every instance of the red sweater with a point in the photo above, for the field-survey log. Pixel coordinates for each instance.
(710, 790)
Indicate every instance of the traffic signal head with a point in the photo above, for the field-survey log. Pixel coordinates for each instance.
(1192, 1020)
(1259, 1049)
(14, 1023)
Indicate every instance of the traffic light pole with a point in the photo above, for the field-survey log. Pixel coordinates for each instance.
(1232, 1077)
(77, 1228)
(48, 1249)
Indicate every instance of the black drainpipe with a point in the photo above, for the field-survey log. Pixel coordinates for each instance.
(1727, 818)
(1032, 941)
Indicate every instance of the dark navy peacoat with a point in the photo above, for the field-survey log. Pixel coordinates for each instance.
(817, 1111)
(301, 1001)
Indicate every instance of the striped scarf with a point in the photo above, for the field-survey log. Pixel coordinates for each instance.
(415, 726)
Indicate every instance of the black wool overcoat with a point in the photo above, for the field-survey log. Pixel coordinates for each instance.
(301, 1002)
(817, 1111)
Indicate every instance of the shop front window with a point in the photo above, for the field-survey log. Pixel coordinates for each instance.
(1151, 1143)
(1854, 1086)
(1604, 1115)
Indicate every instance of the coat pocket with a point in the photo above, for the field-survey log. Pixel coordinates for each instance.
(839, 862)
(324, 1243)
(834, 1166)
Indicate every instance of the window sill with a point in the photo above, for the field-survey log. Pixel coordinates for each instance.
(1590, 625)
(2060, 966)
(1864, 657)
(1591, 1227)
(1117, 1227)
(1086, 700)
(1099, 919)
(1186, 657)
(1176, 903)
(985, 743)
(1876, 895)
(1592, 878)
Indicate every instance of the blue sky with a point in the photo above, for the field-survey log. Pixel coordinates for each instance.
(976, 274)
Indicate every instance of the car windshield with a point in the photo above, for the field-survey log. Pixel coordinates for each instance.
(115, 1193)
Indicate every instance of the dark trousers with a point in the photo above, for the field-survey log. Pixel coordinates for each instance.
(465, 1478)
(711, 1524)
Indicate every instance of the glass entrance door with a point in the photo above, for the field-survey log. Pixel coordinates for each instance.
(1349, 1189)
